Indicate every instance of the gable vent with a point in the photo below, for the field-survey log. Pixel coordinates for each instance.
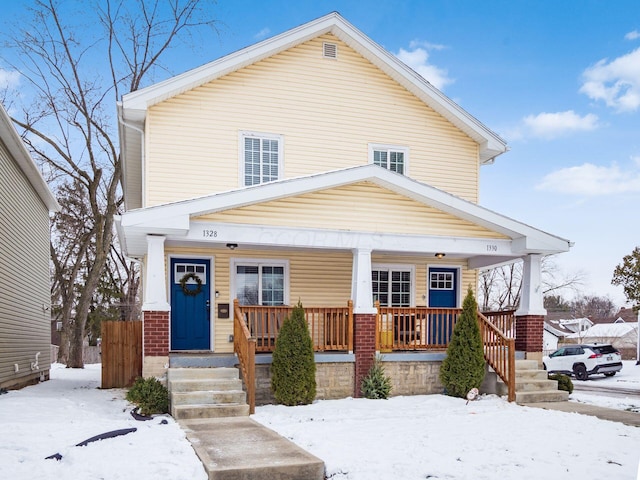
(329, 50)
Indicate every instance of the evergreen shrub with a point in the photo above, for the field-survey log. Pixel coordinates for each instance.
(564, 381)
(464, 366)
(376, 384)
(150, 395)
(293, 369)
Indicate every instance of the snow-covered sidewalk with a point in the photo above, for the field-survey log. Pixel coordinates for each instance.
(408, 438)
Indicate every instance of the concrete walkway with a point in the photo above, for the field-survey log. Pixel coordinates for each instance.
(622, 416)
(238, 448)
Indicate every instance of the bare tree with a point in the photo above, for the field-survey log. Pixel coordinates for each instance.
(500, 288)
(78, 64)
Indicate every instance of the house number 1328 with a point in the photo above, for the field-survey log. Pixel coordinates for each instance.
(209, 233)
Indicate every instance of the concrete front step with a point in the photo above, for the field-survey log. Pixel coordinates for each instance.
(208, 397)
(542, 396)
(189, 412)
(195, 385)
(202, 373)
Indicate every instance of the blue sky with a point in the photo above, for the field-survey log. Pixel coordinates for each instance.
(559, 80)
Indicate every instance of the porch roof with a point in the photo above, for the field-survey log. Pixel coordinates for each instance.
(176, 221)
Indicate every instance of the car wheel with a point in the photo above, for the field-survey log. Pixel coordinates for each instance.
(609, 374)
(580, 371)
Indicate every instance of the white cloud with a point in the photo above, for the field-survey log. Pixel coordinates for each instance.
(553, 125)
(417, 57)
(592, 180)
(262, 33)
(9, 78)
(617, 82)
(632, 35)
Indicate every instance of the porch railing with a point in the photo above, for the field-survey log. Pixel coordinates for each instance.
(499, 352)
(245, 347)
(414, 328)
(331, 328)
(504, 321)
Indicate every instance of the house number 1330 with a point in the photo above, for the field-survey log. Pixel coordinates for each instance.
(492, 248)
(209, 233)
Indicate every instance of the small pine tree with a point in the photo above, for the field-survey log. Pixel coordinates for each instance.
(293, 370)
(376, 384)
(464, 366)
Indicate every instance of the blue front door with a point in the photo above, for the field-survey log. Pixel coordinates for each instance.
(443, 293)
(190, 304)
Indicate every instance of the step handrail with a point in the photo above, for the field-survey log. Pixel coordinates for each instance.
(244, 346)
(499, 352)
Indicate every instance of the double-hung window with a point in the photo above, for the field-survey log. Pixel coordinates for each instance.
(261, 158)
(260, 282)
(392, 286)
(392, 158)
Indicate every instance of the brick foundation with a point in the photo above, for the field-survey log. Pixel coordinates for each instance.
(364, 347)
(529, 332)
(155, 333)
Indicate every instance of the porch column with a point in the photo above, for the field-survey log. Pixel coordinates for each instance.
(155, 311)
(155, 287)
(364, 318)
(530, 315)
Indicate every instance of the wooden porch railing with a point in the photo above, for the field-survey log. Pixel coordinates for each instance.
(414, 328)
(245, 347)
(504, 321)
(499, 351)
(331, 328)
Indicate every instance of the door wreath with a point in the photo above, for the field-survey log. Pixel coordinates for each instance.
(183, 284)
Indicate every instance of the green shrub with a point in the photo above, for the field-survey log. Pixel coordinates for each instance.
(564, 381)
(150, 395)
(464, 366)
(293, 369)
(376, 384)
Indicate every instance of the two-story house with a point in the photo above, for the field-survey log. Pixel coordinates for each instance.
(313, 166)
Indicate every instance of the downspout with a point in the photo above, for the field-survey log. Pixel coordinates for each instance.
(122, 122)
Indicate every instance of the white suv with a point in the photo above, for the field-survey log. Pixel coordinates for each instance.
(584, 360)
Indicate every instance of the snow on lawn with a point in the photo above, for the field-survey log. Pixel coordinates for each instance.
(417, 437)
(54, 416)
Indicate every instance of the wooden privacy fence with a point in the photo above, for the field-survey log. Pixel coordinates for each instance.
(121, 353)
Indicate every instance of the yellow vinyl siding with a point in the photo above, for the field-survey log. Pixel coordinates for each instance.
(364, 207)
(327, 119)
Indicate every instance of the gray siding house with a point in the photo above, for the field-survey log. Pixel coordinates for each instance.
(25, 298)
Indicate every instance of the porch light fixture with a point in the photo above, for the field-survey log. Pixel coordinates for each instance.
(232, 246)
(440, 255)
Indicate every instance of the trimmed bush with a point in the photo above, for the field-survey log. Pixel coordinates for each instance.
(564, 381)
(376, 384)
(464, 366)
(150, 395)
(293, 370)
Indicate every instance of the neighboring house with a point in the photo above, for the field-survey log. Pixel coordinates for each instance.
(551, 336)
(622, 335)
(25, 295)
(313, 166)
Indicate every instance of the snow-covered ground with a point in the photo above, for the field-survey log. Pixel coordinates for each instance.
(417, 437)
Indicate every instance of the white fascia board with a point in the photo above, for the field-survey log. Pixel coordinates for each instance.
(19, 153)
(292, 237)
(491, 145)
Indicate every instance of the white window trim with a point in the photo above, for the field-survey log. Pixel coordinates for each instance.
(458, 268)
(259, 262)
(395, 148)
(270, 136)
(401, 267)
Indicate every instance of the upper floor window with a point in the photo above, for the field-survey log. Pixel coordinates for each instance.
(391, 157)
(261, 158)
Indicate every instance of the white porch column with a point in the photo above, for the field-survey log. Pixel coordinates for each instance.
(531, 299)
(155, 288)
(361, 292)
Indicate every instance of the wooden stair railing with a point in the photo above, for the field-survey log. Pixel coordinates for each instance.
(245, 347)
(499, 352)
